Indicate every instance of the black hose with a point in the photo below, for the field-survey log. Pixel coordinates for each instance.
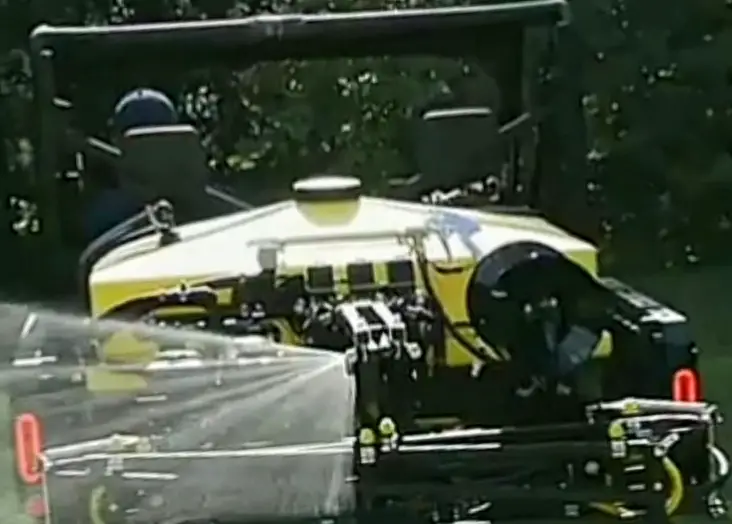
(128, 230)
(479, 353)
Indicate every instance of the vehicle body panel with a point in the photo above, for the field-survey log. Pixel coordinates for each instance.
(334, 234)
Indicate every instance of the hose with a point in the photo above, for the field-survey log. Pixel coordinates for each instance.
(130, 229)
(723, 467)
(482, 354)
(677, 486)
(676, 495)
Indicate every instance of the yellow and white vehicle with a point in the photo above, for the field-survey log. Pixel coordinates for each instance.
(485, 350)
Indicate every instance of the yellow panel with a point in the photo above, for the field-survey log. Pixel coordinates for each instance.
(588, 260)
(605, 346)
(224, 296)
(450, 283)
(340, 277)
(584, 258)
(106, 296)
(381, 274)
(449, 279)
(178, 310)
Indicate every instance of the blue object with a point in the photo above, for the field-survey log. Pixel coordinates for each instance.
(447, 223)
(144, 107)
(450, 222)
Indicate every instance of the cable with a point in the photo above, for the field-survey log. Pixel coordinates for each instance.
(131, 228)
(482, 354)
(723, 467)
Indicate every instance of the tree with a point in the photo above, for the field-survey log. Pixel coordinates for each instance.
(659, 107)
(657, 99)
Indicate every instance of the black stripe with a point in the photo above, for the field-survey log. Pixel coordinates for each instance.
(320, 279)
(442, 270)
(360, 276)
(400, 273)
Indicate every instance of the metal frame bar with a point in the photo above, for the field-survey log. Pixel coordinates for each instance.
(365, 27)
(477, 460)
(257, 38)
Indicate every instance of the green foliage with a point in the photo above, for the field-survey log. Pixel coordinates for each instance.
(657, 99)
(343, 116)
(659, 106)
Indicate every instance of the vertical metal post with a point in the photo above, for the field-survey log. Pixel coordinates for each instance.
(575, 165)
(45, 153)
(562, 193)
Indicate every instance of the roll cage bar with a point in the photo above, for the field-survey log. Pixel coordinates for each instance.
(62, 52)
(276, 37)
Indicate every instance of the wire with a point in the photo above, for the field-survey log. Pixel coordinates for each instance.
(482, 354)
(723, 467)
(130, 229)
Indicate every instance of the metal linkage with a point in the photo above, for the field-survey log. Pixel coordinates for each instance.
(632, 451)
(381, 358)
(376, 329)
(500, 473)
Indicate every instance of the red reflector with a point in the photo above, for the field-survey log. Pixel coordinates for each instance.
(686, 386)
(28, 448)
